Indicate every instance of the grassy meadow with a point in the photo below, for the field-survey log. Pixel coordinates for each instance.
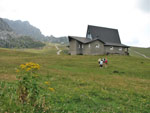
(80, 86)
(145, 51)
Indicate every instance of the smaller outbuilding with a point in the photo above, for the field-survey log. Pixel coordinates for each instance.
(98, 41)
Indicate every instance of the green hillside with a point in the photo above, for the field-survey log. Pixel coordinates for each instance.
(134, 51)
(80, 86)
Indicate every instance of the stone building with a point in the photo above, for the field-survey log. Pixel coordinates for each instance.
(98, 41)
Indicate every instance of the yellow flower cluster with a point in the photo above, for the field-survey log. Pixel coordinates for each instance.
(48, 84)
(51, 89)
(30, 66)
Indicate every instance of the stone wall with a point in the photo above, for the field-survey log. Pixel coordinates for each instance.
(114, 50)
(93, 48)
(72, 48)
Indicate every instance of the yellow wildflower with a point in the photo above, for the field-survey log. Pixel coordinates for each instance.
(28, 69)
(22, 66)
(30, 66)
(37, 66)
(46, 82)
(51, 89)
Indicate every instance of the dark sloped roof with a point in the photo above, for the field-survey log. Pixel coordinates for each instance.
(114, 44)
(108, 35)
(84, 39)
(80, 39)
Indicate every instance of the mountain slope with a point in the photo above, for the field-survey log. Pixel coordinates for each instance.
(6, 31)
(4, 26)
(59, 40)
(25, 28)
(9, 39)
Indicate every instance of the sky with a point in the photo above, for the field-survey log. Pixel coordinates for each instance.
(71, 17)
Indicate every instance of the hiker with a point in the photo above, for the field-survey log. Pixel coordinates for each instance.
(99, 60)
(105, 62)
(101, 63)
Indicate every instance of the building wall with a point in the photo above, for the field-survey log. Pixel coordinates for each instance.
(74, 47)
(86, 49)
(114, 50)
(95, 48)
(77, 48)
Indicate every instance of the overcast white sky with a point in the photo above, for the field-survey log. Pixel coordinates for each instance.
(71, 17)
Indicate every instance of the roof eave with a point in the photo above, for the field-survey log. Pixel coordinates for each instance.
(95, 40)
(73, 37)
(117, 45)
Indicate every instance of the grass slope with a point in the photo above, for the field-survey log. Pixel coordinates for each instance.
(80, 85)
(145, 51)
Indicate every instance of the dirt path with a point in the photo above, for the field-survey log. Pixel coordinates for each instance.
(58, 52)
(140, 54)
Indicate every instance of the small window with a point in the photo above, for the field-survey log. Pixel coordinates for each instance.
(111, 48)
(97, 46)
(89, 36)
(120, 49)
(79, 45)
(89, 45)
(82, 46)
